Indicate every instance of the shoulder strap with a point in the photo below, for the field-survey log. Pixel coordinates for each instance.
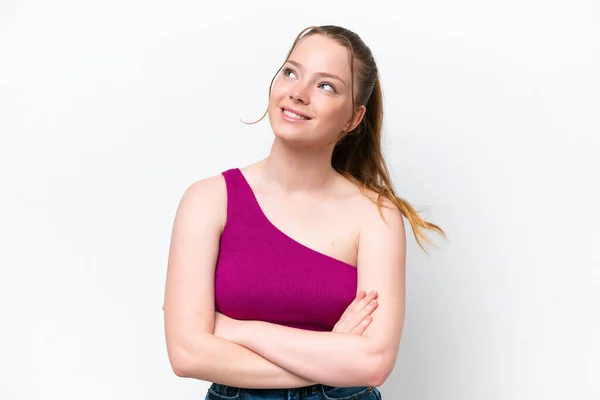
(241, 203)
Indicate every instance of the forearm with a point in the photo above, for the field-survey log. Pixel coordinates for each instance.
(331, 358)
(228, 363)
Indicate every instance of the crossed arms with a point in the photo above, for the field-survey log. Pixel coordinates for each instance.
(206, 345)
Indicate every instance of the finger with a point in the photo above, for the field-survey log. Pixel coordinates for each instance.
(370, 307)
(357, 317)
(360, 295)
(360, 328)
(366, 311)
(367, 300)
(352, 308)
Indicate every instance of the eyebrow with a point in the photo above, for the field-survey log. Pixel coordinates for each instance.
(297, 64)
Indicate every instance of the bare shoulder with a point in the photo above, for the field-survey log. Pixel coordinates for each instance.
(211, 188)
(206, 199)
(370, 216)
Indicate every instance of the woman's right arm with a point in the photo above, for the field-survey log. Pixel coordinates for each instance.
(189, 308)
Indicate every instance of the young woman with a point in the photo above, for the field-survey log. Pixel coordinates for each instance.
(286, 278)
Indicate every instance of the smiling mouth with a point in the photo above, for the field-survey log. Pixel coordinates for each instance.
(292, 115)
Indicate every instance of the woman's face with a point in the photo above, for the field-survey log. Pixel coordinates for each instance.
(315, 83)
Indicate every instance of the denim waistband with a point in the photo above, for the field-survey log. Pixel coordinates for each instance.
(233, 390)
(312, 392)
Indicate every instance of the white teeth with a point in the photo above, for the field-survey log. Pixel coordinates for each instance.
(292, 115)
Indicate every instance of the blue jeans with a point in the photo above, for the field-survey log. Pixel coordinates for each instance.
(315, 392)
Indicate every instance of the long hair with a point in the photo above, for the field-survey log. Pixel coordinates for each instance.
(357, 154)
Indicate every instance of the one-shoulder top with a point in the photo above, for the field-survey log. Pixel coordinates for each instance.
(263, 274)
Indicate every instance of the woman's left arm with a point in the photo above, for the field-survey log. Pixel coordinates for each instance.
(343, 359)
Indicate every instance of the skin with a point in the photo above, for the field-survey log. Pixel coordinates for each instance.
(301, 194)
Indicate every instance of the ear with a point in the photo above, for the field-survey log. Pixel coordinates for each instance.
(357, 116)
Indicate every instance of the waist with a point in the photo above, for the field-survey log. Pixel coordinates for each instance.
(312, 392)
(235, 392)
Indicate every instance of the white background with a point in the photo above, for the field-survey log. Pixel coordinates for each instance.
(110, 110)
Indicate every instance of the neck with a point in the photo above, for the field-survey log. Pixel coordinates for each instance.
(295, 168)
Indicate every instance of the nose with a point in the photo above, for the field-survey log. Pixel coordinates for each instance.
(298, 94)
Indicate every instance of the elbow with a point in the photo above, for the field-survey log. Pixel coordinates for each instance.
(188, 357)
(180, 363)
(180, 369)
(381, 368)
(184, 365)
(377, 378)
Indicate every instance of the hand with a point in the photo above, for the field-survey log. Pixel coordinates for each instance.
(357, 316)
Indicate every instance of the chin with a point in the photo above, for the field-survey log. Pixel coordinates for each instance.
(288, 131)
(289, 135)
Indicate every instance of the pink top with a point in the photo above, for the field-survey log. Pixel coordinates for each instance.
(263, 274)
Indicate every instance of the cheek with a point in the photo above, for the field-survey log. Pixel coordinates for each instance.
(276, 97)
(333, 112)
(279, 88)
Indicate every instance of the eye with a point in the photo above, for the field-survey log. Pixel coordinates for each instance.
(286, 70)
(330, 85)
